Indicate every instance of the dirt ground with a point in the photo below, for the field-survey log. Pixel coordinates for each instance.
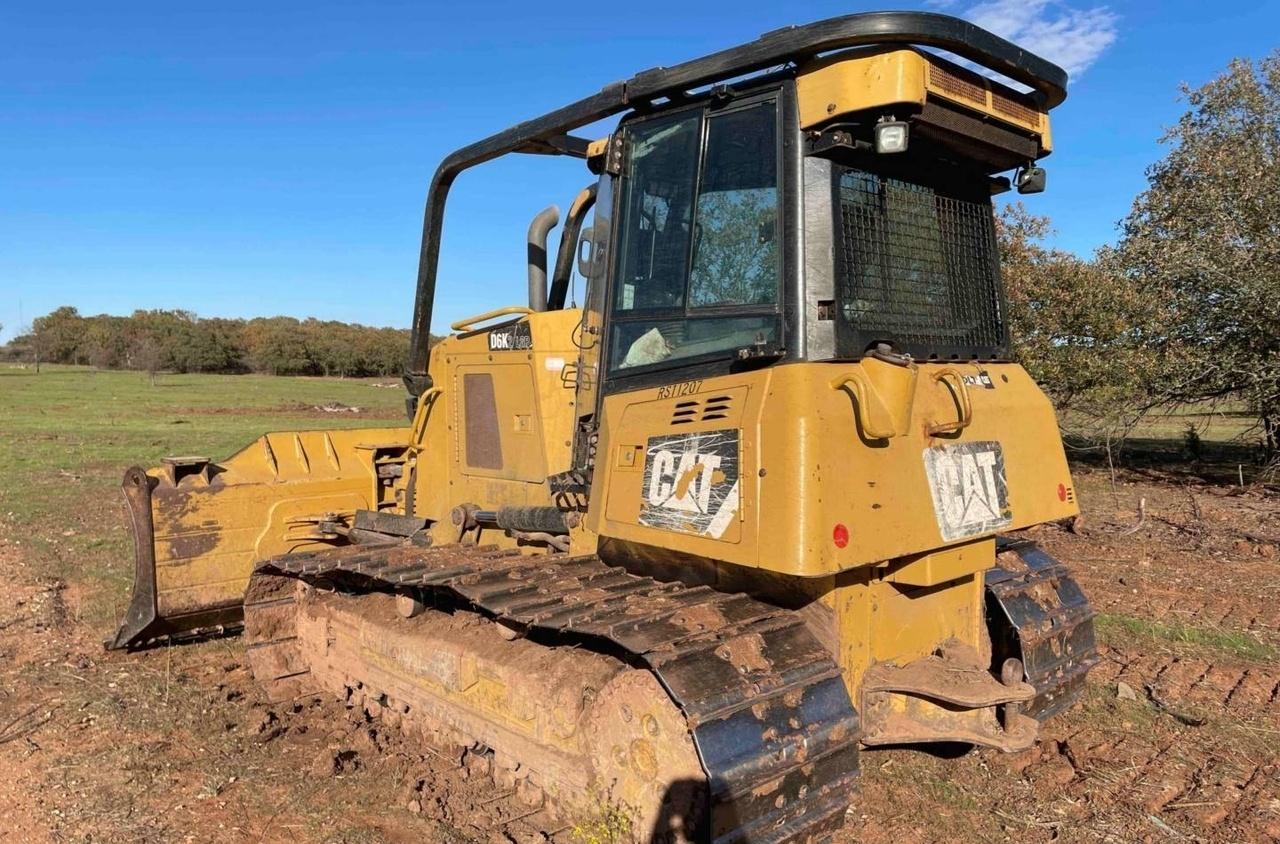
(1178, 737)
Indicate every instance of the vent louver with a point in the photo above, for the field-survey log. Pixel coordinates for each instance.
(696, 410)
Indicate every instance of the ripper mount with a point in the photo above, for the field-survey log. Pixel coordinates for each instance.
(549, 133)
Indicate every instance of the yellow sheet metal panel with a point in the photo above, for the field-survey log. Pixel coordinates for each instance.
(800, 486)
(680, 467)
(942, 566)
(882, 622)
(841, 84)
(677, 468)
(932, 484)
(519, 378)
(851, 82)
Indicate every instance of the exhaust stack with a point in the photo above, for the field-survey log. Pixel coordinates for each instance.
(543, 222)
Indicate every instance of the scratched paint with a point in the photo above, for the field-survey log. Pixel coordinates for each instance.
(969, 488)
(691, 482)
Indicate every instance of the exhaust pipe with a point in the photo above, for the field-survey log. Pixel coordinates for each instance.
(582, 203)
(543, 222)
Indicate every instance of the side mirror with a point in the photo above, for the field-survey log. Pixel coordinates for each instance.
(1030, 180)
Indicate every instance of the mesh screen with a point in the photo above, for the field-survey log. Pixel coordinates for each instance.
(919, 269)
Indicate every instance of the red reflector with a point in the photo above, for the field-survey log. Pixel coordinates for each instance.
(1062, 492)
(840, 536)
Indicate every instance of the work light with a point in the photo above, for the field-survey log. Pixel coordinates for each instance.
(891, 136)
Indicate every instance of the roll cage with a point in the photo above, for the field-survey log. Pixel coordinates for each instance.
(550, 133)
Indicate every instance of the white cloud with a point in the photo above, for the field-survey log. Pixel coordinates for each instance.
(1071, 37)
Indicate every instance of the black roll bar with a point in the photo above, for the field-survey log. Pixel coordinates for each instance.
(549, 133)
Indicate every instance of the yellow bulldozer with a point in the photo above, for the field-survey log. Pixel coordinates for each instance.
(688, 548)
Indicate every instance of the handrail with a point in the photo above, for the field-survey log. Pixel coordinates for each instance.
(960, 391)
(872, 416)
(418, 430)
(549, 133)
(464, 324)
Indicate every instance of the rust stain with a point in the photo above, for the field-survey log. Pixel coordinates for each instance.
(746, 653)
(190, 545)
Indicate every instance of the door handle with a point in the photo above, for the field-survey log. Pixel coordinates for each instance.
(954, 382)
(873, 417)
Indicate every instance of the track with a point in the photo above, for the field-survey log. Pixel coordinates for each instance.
(764, 703)
(1037, 612)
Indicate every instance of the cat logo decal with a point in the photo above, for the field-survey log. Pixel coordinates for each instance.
(691, 482)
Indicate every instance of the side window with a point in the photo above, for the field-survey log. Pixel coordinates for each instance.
(735, 239)
(698, 272)
(664, 161)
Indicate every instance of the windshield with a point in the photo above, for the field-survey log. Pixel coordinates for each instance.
(699, 268)
(917, 265)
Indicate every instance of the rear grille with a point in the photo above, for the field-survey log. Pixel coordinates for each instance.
(978, 91)
(955, 86)
(696, 410)
(917, 268)
(1015, 109)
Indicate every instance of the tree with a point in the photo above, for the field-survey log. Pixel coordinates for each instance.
(145, 353)
(59, 336)
(1078, 327)
(278, 346)
(105, 344)
(1204, 241)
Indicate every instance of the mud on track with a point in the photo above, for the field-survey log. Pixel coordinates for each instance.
(1178, 738)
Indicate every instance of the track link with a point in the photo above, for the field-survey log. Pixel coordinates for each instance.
(1037, 613)
(764, 701)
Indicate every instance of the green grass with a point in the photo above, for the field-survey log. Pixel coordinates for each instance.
(1119, 628)
(68, 434)
(1215, 423)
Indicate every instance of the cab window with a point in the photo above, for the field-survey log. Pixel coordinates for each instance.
(698, 274)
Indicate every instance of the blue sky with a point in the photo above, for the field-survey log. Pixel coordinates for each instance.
(250, 158)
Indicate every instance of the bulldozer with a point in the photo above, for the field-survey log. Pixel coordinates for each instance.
(758, 504)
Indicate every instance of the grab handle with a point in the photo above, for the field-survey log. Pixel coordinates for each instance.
(464, 324)
(418, 430)
(954, 382)
(873, 417)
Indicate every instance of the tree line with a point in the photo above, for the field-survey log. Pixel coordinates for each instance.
(1185, 307)
(180, 341)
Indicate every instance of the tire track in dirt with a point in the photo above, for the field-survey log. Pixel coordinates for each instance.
(1189, 766)
(1241, 690)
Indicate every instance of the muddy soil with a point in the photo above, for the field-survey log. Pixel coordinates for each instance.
(1178, 737)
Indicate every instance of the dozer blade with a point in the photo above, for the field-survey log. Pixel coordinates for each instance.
(199, 527)
(1036, 612)
(701, 715)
